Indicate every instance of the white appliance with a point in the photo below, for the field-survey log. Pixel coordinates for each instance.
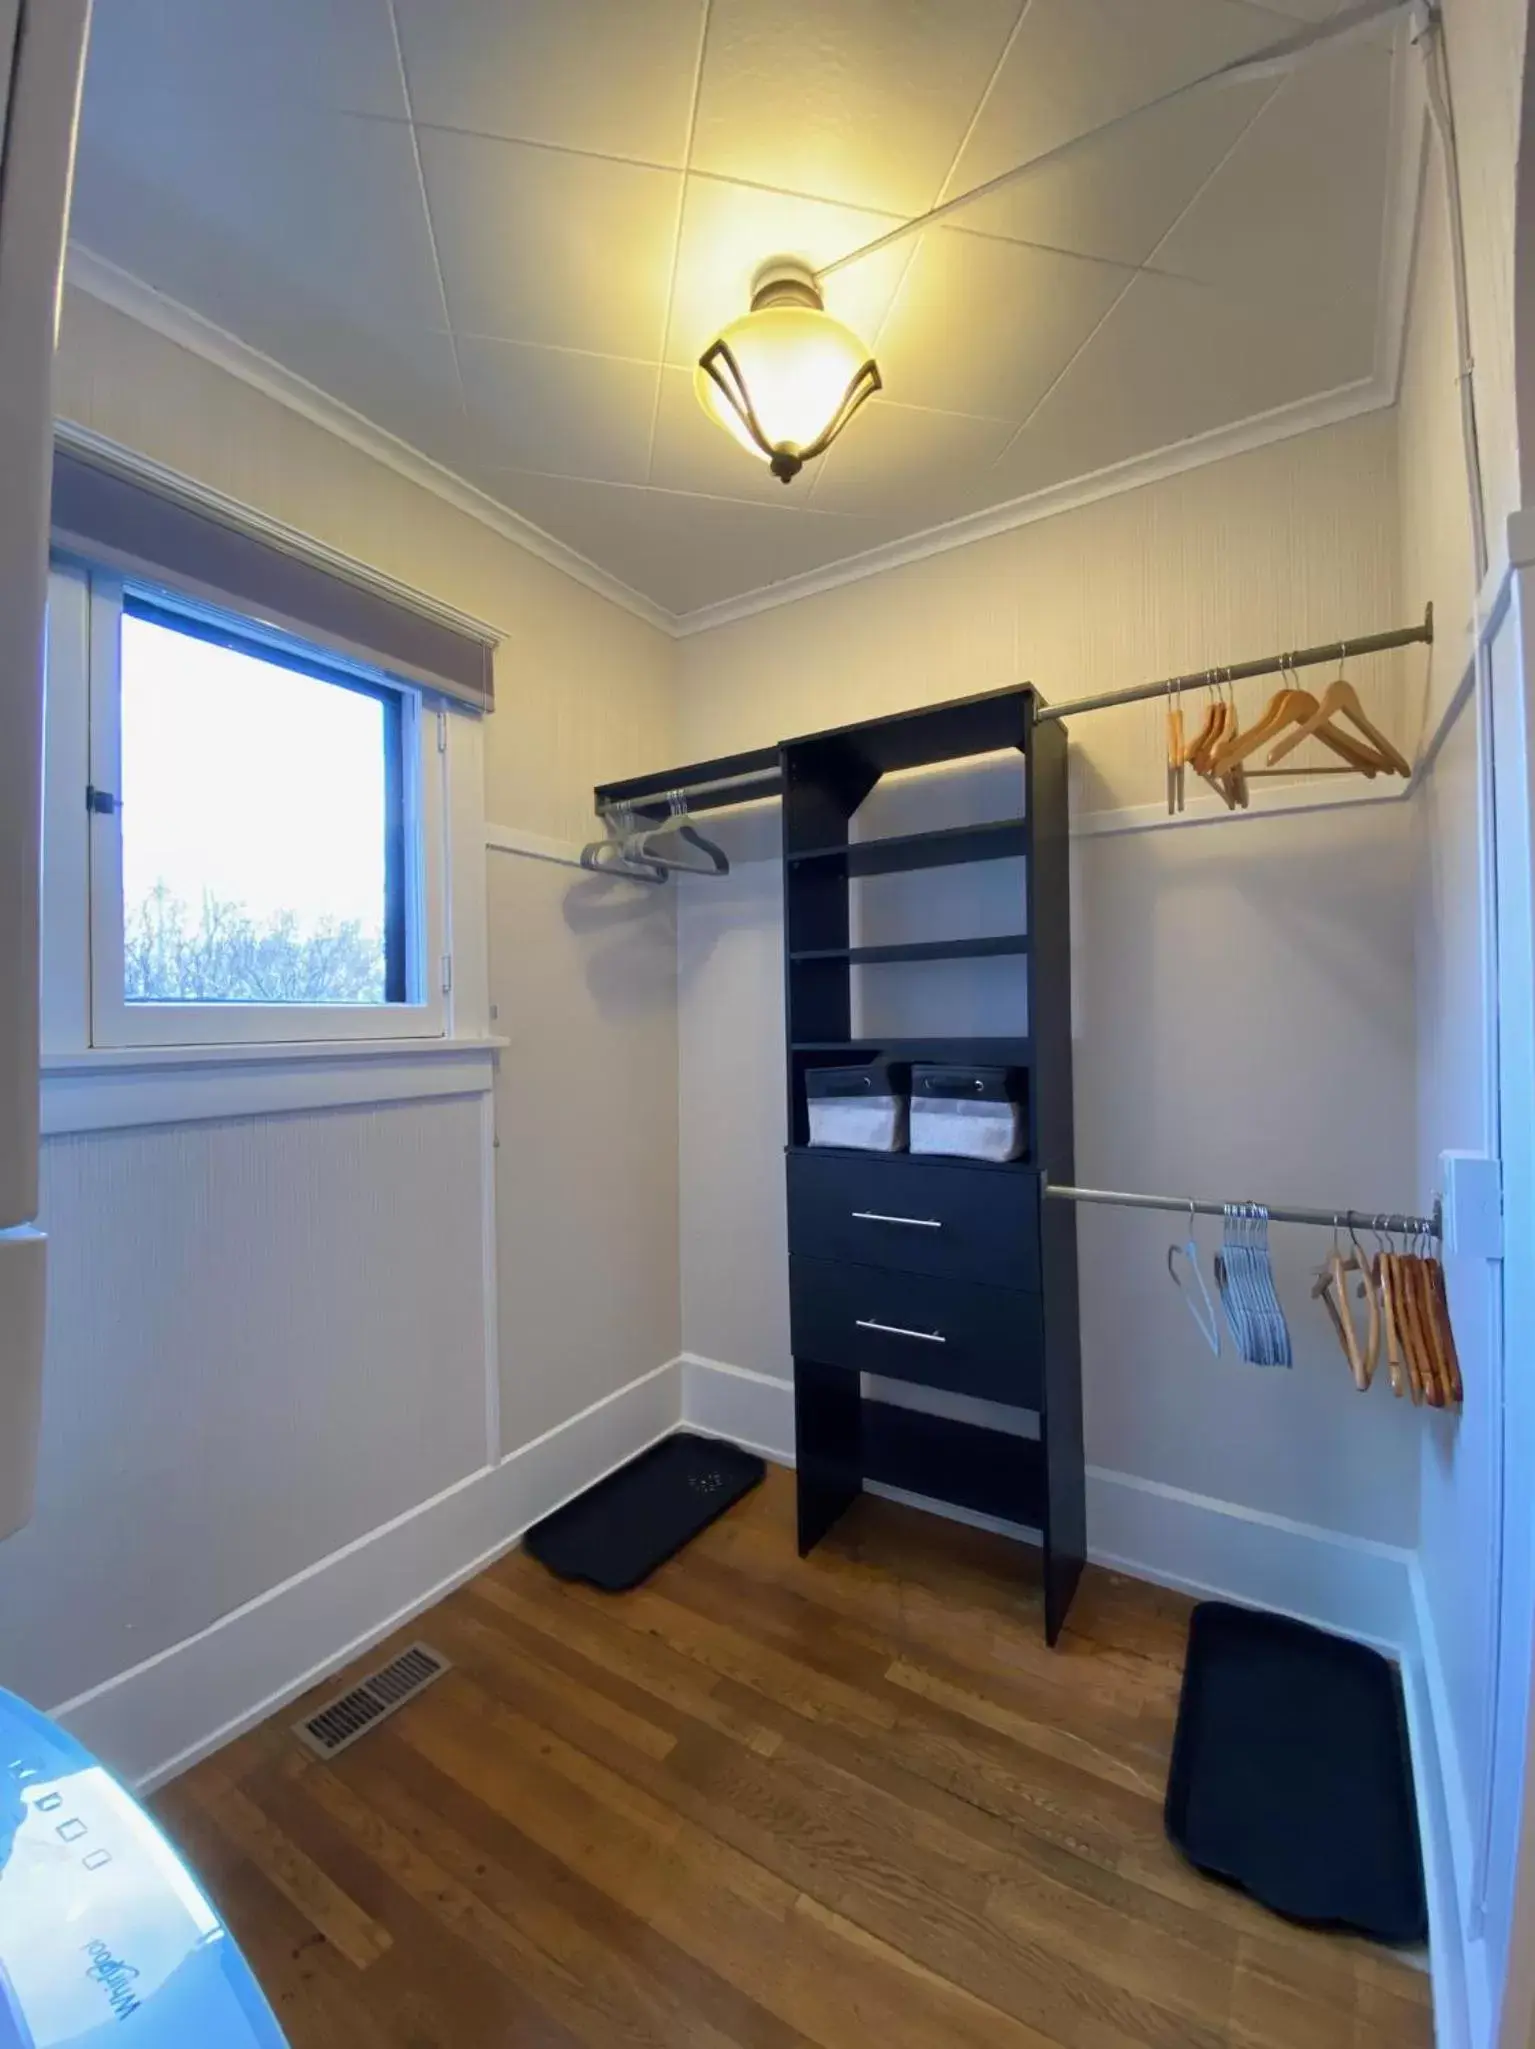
(42, 53)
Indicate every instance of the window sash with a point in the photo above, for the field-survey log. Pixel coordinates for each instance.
(415, 867)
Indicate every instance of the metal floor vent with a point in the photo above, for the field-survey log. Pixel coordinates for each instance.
(353, 1713)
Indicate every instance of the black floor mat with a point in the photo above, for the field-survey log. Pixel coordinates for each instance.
(619, 1531)
(1291, 1775)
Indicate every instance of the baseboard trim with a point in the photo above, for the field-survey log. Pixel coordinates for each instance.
(1191, 1542)
(158, 1718)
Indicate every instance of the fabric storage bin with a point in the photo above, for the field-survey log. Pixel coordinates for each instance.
(974, 1113)
(864, 1107)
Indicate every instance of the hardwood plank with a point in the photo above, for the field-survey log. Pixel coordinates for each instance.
(766, 1803)
(317, 1995)
(296, 1876)
(712, 1902)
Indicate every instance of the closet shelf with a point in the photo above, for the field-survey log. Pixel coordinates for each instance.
(918, 950)
(1003, 839)
(941, 1052)
(991, 1472)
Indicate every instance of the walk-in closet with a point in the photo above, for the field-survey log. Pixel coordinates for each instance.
(767, 1054)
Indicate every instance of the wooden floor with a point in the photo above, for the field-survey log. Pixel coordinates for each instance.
(852, 1801)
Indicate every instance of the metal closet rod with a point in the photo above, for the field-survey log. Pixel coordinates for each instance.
(1237, 672)
(1394, 1223)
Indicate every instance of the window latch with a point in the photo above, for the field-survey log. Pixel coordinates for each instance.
(101, 801)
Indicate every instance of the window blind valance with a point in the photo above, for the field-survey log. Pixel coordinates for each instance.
(135, 521)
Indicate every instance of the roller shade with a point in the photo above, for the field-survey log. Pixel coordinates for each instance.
(185, 543)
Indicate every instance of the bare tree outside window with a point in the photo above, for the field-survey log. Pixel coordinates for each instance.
(221, 954)
(254, 819)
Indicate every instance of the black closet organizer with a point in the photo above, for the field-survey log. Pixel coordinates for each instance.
(948, 1274)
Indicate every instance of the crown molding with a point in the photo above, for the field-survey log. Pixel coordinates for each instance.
(127, 294)
(1304, 416)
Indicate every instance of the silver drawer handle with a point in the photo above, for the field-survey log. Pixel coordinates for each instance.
(894, 1330)
(873, 1216)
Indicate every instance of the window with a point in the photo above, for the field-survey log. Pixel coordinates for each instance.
(262, 823)
(260, 827)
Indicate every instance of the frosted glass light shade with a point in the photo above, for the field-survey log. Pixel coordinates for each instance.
(785, 378)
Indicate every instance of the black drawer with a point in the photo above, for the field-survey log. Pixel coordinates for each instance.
(923, 1216)
(957, 1335)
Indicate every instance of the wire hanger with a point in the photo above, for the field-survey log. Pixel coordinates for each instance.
(1205, 1319)
(1246, 1275)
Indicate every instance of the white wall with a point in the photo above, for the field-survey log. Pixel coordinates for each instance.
(1243, 990)
(1461, 1480)
(265, 1339)
(586, 1123)
(268, 1337)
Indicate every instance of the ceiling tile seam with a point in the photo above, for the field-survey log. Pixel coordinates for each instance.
(426, 210)
(1119, 298)
(1407, 153)
(538, 142)
(1175, 277)
(955, 160)
(752, 185)
(112, 286)
(676, 258)
(773, 511)
(546, 348)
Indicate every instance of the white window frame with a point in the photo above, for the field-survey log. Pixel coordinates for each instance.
(84, 1008)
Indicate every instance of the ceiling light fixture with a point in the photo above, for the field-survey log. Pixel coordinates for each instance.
(785, 378)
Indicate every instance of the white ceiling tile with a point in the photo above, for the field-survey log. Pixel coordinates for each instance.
(404, 380)
(982, 326)
(682, 551)
(331, 53)
(1296, 216)
(729, 231)
(538, 245)
(552, 409)
(694, 453)
(1289, 307)
(1078, 64)
(1118, 197)
(862, 101)
(260, 213)
(612, 76)
(1161, 371)
(900, 462)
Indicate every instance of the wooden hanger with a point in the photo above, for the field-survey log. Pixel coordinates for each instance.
(1341, 698)
(1275, 717)
(1207, 738)
(1398, 1371)
(1212, 737)
(1456, 1388)
(1428, 1305)
(1358, 1264)
(1177, 755)
(1331, 1289)
(1420, 1356)
(1304, 706)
